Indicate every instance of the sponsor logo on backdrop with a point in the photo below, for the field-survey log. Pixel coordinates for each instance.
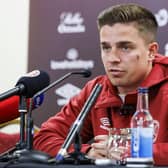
(72, 62)
(71, 23)
(66, 92)
(166, 49)
(162, 17)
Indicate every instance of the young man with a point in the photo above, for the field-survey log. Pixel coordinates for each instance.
(129, 54)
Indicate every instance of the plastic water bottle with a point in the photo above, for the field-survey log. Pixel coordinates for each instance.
(142, 128)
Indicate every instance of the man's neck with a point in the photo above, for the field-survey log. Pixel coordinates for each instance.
(126, 90)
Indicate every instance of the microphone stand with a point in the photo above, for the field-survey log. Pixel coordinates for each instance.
(33, 155)
(20, 146)
(23, 111)
(23, 152)
(77, 157)
(29, 130)
(85, 73)
(26, 152)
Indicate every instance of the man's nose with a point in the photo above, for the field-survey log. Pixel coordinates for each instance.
(114, 57)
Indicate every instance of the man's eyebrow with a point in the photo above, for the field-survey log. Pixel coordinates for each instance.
(117, 43)
(104, 43)
(123, 42)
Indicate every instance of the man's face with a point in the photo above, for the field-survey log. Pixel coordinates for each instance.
(125, 55)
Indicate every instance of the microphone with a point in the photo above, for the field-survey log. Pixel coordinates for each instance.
(78, 122)
(9, 107)
(29, 138)
(35, 157)
(85, 73)
(28, 85)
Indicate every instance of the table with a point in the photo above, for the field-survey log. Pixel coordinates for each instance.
(40, 165)
(34, 160)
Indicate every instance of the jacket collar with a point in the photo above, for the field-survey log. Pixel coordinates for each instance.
(159, 72)
(110, 98)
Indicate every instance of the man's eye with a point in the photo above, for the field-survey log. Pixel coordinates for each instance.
(126, 48)
(106, 48)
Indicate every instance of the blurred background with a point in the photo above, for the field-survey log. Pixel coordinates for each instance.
(58, 36)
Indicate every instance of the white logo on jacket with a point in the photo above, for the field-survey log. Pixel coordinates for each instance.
(105, 123)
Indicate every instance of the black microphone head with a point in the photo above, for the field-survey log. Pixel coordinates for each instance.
(33, 82)
(85, 73)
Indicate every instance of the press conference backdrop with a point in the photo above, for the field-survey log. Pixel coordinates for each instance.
(63, 37)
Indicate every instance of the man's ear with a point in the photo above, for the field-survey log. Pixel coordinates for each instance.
(153, 49)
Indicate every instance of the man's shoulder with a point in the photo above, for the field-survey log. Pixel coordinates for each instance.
(161, 59)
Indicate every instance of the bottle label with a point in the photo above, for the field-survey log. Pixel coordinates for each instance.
(142, 142)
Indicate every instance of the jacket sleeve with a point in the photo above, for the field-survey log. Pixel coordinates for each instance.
(54, 131)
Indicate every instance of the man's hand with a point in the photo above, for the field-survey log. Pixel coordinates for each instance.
(119, 153)
(99, 147)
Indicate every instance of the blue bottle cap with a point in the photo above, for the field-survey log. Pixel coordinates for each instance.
(142, 90)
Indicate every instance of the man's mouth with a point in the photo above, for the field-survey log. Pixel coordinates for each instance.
(116, 72)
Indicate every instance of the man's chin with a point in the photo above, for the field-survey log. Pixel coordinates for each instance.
(117, 83)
